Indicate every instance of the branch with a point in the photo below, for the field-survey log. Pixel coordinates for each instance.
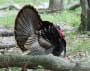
(73, 6)
(10, 6)
(42, 11)
(47, 61)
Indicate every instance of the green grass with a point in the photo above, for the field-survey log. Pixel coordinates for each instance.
(70, 17)
(81, 45)
(76, 44)
(36, 2)
(3, 1)
(7, 21)
(12, 69)
(51, 17)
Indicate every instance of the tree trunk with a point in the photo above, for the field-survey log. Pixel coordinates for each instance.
(56, 5)
(85, 16)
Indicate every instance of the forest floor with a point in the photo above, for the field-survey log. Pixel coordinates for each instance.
(78, 46)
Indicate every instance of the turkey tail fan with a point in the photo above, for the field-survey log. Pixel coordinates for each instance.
(26, 23)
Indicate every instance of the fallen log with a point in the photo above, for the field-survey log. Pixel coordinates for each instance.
(7, 46)
(47, 61)
(6, 33)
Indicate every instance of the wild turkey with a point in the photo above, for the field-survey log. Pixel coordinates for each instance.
(30, 28)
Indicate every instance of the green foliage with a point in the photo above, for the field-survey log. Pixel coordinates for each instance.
(8, 21)
(33, 2)
(12, 69)
(78, 44)
(51, 17)
(71, 18)
(2, 1)
(15, 69)
(82, 45)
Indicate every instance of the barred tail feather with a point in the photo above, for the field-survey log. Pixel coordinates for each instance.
(26, 23)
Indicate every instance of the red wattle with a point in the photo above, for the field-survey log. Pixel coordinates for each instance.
(61, 33)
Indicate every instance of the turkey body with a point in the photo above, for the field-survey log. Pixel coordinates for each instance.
(40, 37)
